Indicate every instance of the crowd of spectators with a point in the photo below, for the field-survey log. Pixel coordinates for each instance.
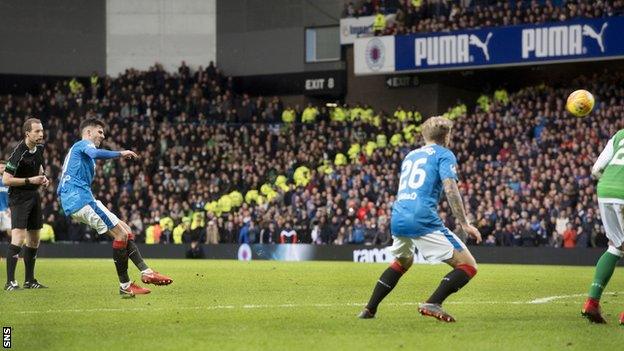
(221, 168)
(525, 165)
(424, 16)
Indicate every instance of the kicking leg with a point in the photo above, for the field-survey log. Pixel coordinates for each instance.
(98, 217)
(121, 246)
(148, 276)
(133, 250)
(30, 256)
(13, 251)
(120, 257)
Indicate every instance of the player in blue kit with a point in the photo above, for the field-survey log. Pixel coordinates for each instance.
(77, 200)
(415, 223)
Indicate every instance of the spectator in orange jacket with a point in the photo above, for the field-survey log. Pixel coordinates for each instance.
(569, 237)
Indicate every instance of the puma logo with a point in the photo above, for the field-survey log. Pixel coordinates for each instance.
(474, 40)
(590, 32)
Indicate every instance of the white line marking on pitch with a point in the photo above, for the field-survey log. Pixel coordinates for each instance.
(229, 307)
(560, 297)
(543, 300)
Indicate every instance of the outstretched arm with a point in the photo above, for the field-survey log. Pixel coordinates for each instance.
(101, 153)
(457, 207)
(106, 154)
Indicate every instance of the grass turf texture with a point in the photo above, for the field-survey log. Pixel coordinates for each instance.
(228, 305)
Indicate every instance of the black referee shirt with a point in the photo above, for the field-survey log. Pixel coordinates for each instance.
(24, 163)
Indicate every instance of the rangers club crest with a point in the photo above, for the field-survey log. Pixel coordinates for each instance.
(375, 54)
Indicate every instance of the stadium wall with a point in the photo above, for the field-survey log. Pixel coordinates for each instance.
(53, 38)
(47, 41)
(256, 37)
(141, 32)
(305, 252)
(429, 93)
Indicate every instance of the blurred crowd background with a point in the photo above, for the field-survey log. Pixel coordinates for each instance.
(218, 167)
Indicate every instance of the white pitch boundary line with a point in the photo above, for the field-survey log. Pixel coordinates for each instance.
(543, 300)
(231, 307)
(560, 297)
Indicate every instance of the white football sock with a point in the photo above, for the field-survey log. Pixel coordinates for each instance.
(125, 285)
(147, 271)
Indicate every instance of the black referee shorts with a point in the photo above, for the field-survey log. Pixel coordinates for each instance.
(26, 210)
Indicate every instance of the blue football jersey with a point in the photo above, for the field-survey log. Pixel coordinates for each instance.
(4, 196)
(74, 188)
(415, 210)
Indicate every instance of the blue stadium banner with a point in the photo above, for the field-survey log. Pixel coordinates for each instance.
(574, 40)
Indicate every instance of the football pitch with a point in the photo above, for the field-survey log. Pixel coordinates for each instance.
(269, 305)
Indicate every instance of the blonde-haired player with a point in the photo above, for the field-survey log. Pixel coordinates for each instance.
(416, 224)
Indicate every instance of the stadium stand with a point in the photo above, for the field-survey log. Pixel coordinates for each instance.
(425, 16)
(522, 161)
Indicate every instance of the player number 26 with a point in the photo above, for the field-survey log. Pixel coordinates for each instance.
(412, 175)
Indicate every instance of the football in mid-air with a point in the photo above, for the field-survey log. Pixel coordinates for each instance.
(580, 103)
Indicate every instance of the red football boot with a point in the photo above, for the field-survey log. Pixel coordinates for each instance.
(435, 310)
(622, 318)
(591, 311)
(137, 290)
(155, 278)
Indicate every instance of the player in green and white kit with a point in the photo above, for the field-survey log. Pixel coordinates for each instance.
(609, 169)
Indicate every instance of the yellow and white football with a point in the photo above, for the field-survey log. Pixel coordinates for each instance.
(580, 103)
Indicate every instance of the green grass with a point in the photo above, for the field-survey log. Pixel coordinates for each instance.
(228, 305)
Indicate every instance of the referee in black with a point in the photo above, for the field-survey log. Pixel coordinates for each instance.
(23, 175)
